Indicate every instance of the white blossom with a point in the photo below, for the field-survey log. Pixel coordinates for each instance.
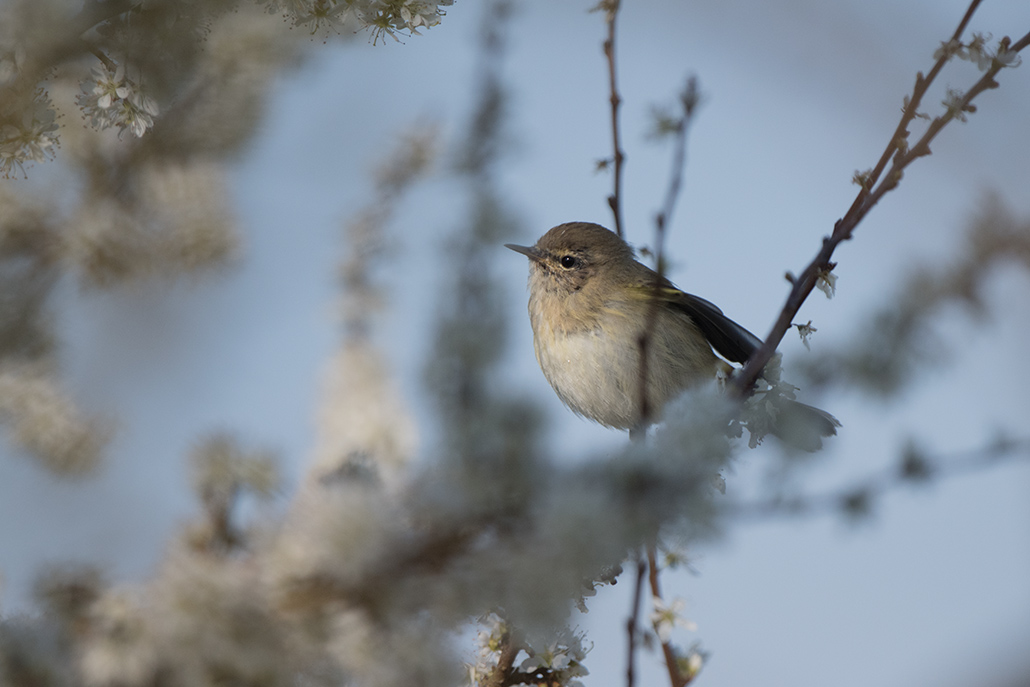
(978, 53)
(112, 99)
(954, 103)
(563, 656)
(984, 57)
(1006, 57)
(805, 331)
(951, 48)
(488, 645)
(827, 283)
(324, 15)
(690, 663)
(667, 616)
(417, 13)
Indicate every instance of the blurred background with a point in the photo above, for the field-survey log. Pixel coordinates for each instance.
(932, 587)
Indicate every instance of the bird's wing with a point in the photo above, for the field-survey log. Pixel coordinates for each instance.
(727, 337)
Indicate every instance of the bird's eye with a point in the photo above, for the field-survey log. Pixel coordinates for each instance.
(568, 261)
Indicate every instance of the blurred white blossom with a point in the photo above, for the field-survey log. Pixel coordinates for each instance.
(954, 103)
(221, 467)
(379, 16)
(950, 48)
(120, 648)
(691, 662)
(827, 283)
(43, 420)
(28, 136)
(179, 225)
(1006, 57)
(979, 52)
(362, 418)
(805, 331)
(667, 616)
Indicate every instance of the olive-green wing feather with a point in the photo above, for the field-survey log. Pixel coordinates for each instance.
(727, 337)
(801, 425)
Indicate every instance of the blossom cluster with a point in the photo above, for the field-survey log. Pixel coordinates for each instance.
(667, 616)
(43, 419)
(110, 98)
(381, 17)
(979, 52)
(27, 136)
(561, 660)
(764, 408)
(558, 662)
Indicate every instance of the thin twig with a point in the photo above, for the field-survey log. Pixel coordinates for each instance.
(634, 622)
(618, 157)
(108, 63)
(502, 673)
(873, 189)
(909, 114)
(688, 101)
(676, 678)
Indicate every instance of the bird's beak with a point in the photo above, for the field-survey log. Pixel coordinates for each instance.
(531, 252)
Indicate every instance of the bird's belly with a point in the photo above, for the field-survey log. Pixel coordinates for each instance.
(599, 377)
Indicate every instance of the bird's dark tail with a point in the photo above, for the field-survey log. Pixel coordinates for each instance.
(803, 426)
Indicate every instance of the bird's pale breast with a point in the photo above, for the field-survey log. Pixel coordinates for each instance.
(598, 375)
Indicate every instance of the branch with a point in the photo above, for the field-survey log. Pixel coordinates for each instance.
(504, 673)
(874, 186)
(676, 677)
(689, 99)
(108, 63)
(857, 500)
(615, 199)
(634, 621)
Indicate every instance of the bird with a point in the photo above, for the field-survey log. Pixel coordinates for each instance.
(590, 303)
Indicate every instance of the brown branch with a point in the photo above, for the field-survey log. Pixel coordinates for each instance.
(426, 551)
(618, 157)
(503, 673)
(644, 340)
(688, 101)
(909, 114)
(633, 623)
(108, 63)
(676, 678)
(873, 188)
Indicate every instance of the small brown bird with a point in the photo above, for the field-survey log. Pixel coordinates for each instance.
(589, 304)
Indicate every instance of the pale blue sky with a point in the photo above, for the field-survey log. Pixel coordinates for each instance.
(800, 94)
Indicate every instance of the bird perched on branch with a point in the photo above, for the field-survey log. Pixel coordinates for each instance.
(594, 308)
